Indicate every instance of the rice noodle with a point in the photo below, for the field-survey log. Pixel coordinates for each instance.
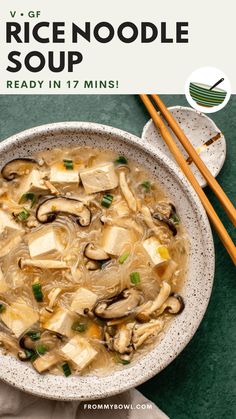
(113, 277)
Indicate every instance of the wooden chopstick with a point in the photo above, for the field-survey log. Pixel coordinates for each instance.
(212, 182)
(219, 227)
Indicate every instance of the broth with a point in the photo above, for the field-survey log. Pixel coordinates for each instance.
(93, 257)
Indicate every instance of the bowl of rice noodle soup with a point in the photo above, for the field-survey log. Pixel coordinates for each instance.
(106, 261)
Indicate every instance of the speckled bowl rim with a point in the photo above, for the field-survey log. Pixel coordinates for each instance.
(25, 378)
(186, 108)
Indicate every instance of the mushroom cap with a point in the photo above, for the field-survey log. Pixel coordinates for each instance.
(17, 167)
(94, 252)
(174, 304)
(120, 306)
(51, 207)
(23, 355)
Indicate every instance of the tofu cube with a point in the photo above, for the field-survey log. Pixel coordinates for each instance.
(155, 251)
(59, 174)
(120, 208)
(61, 322)
(43, 243)
(79, 351)
(83, 299)
(100, 178)
(116, 239)
(19, 317)
(33, 182)
(45, 362)
(7, 223)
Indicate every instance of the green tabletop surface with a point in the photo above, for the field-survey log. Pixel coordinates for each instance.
(200, 383)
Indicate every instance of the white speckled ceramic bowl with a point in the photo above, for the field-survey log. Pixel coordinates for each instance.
(198, 284)
(199, 128)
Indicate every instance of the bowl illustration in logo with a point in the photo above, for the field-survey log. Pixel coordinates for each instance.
(203, 96)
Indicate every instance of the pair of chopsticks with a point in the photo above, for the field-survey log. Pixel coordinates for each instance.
(212, 182)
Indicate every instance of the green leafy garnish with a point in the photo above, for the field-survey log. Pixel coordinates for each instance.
(30, 354)
(120, 360)
(123, 257)
(37, 290)
(135, 278)
(69, 165)
(66, 369)
(146, 185)
(107, 200)
(34, 335)
(28, 196)
(23, 215)
(174, 217)
(121, 160)
(41, 349)
(79, 327)
(2, 308)
(33, 356)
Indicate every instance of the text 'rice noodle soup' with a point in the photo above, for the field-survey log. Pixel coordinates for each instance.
(92, 259)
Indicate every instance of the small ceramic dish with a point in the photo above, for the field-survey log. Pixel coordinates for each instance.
(203, 133)
(197, 285)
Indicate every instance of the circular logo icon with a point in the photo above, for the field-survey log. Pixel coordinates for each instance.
(208, 89)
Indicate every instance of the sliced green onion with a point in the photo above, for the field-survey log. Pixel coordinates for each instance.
(41, 349)
(119, 360)
(146, 185)
(33, 356)
(33, 335)
(37, 290)
(30, 354)
(121, 160)
(124, 361)
(2, 308)
(175, 218)
(23, 215)
(66, 369)
(28, 196)
(69, 165)
(135, 278)
(123, 257)
(107, 200)
(79, 327)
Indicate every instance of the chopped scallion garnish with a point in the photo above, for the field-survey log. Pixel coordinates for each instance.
(30, 354)
(174, 217)
(124, 361)
(37, 290)
(28, 196)
(33, 356)
(41, 349)
(121, 160)
(135, 278)
(23, 215)
(2, 308)
(120, 360)
(34, 335)
(107, 200)
(79, 327)
(69, 165)
(66, 369)
(123, 257)
(146, 185)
